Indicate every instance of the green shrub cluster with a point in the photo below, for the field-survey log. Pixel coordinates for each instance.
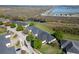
(1, 23)
(35, 42)
(19, 28)
(13, 25)
(31, 23)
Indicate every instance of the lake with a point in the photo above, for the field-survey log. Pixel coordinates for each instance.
(64, 10)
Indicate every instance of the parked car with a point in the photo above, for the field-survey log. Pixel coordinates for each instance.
(18, 49)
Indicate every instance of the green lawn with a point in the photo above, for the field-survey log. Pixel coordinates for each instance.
(43, 27)
(70, 36)
(50, 49)
(2, 30)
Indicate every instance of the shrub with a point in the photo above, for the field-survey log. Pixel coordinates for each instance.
(36, 43)
(13, 25)
(7, 24)
(19, 28)
(29, 37)
(7, 17)
(58, 35)
(18, 18)
(2, 16)
(21, 18)
(31, 23)
(1, 23)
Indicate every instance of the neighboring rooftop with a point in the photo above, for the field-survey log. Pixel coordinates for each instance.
(19, 22)
(3, 48)
(70, 46)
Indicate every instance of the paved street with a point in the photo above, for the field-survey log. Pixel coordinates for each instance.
(22, 38)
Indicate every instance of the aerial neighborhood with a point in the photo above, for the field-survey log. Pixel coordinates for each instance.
(39, 30)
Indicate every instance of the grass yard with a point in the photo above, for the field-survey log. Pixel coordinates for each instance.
(2, 30)
(50, 49)
(17, 45)
(43, 27)
(70, 36)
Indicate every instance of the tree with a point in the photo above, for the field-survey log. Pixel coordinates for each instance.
(58, 35)
(31, 23)
(7, 24)
(19, 28)
(6, 17)
(21, 18)
(14, 18)
(1, 23)
(29, 37)
(13, 25)
(36, 43)
(18, 18)
(2, 16)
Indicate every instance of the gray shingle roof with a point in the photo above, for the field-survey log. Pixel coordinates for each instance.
(70, 46)
(19, 23)
(41, 34)
(3, 48)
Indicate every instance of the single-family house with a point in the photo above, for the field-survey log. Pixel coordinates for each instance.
(42, 35)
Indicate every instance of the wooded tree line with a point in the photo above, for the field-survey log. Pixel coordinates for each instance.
(67, 30)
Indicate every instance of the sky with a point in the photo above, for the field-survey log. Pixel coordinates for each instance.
(39, 2)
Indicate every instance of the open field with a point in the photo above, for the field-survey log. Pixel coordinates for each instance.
(59, 24)
(74, 20)
(25, 11)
